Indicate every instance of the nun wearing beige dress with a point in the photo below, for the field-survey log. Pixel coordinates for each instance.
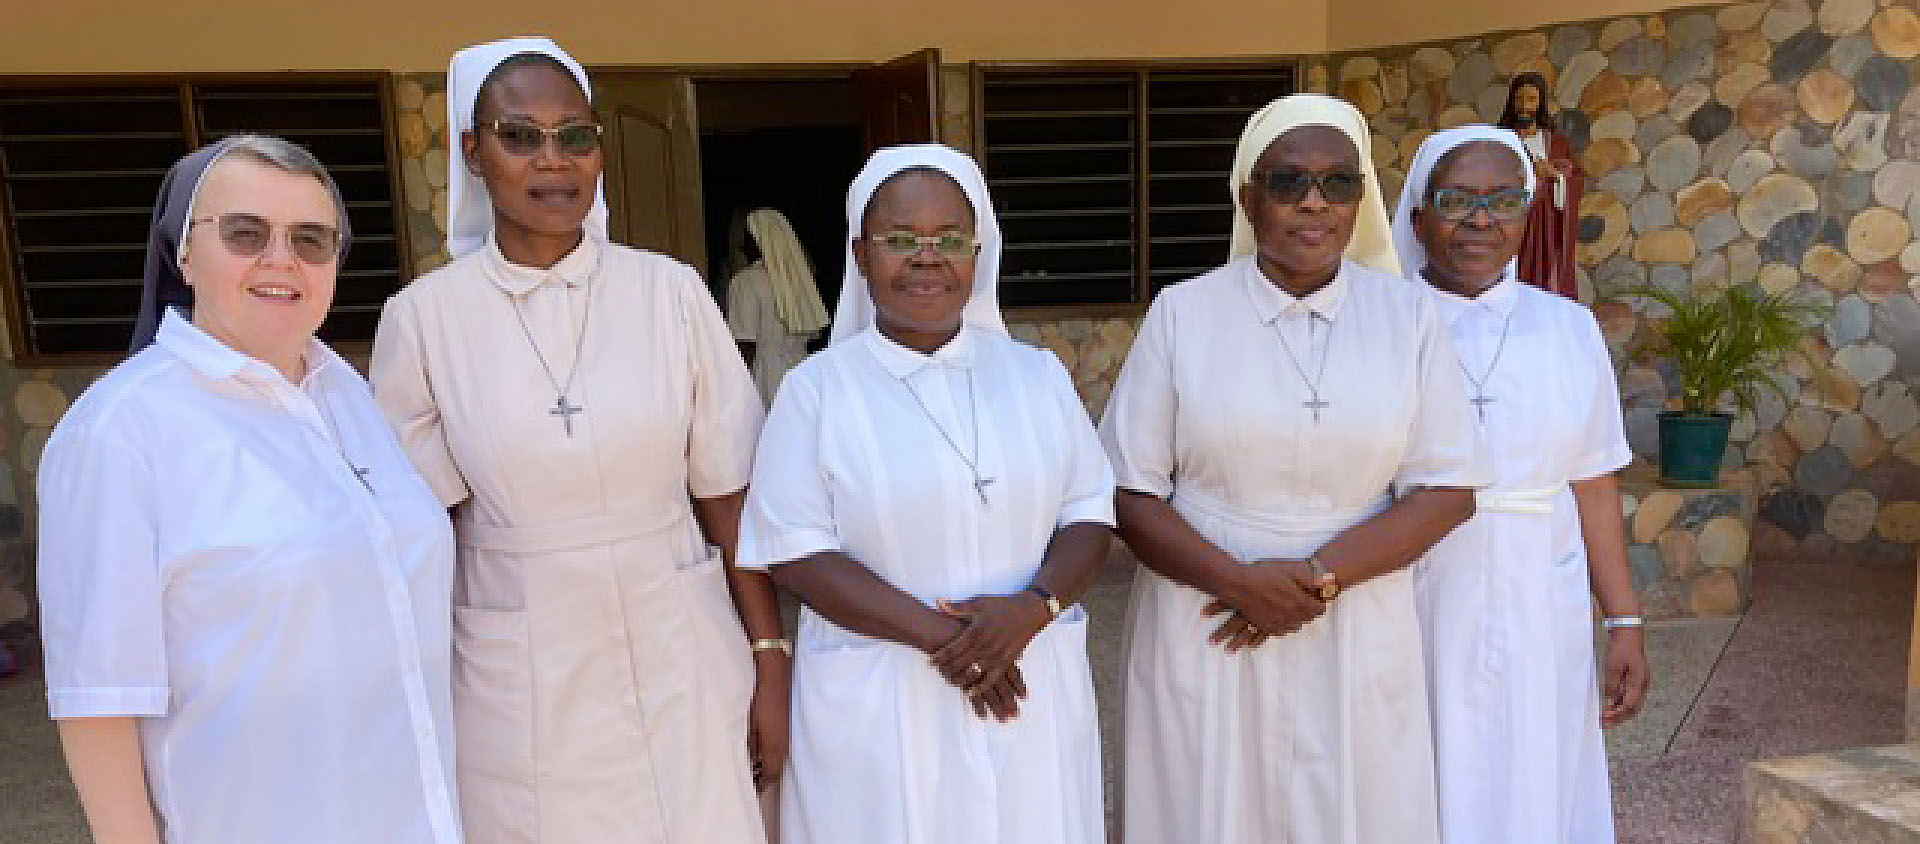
(1289, 432)
(581, 406)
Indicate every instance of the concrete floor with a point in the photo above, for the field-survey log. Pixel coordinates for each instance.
(1818, 664)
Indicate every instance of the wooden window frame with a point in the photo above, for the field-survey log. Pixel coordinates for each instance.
(14, 289)
(1142, 71)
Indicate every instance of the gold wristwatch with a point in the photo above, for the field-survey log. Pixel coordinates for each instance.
(1326, 584)
(1054, 609)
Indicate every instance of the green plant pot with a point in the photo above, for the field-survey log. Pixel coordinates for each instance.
(1692, 447)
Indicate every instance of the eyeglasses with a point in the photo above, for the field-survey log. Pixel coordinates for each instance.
(248, 236)
(1290, 185)
(944, 244)
(519, 137)
(1455, 205)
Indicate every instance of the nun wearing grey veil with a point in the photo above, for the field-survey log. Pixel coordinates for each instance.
(244, 585)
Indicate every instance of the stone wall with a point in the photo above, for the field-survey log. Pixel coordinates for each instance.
(39, 397)
(1774, 143)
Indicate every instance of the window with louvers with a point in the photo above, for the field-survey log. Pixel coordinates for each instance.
(81, 164)
(1111, 184)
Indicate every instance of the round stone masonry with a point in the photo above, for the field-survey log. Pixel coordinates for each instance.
(1825, 95)
(1896, 32)
(1765, 109)
(1674, 163)
(1805, 149)
(1702, 199)
(1877, 234)
(1841, 17)
(1772, 199)
(1798, 54)
(1691, 543)
(1783, 19)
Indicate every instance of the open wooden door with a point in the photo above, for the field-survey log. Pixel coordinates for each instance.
(653, 163)
(901, 99)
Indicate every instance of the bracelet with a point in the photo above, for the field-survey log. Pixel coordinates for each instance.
(1616, 622)
(784, 646)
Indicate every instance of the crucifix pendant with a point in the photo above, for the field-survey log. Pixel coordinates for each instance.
(565, 410)
(1480, 403)
(1315, 404)
(980, 486)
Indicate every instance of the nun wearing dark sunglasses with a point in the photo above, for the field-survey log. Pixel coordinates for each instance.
(244, 585)
(582, 407)
(1266, 413)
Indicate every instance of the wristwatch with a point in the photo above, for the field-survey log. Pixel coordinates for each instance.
(1053, 604)
(1326, 584)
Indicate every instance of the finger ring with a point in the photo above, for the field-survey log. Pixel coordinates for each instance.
(975, 668)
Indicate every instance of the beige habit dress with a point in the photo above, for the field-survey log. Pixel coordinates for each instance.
(601, 676)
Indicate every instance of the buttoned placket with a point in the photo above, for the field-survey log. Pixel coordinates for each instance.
(323, 436)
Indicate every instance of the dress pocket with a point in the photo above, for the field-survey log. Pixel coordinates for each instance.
(493, 723)
(724, 653)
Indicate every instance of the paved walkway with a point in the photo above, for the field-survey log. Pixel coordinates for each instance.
(1818, 664)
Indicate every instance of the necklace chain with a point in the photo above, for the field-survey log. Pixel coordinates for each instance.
(973, 415)
(562, 406)
(1315, 404)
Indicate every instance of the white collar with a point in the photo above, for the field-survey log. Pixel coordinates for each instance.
(902, 362)
(1498, 300)
(1269, 301)
(219, 361)
(575, 270)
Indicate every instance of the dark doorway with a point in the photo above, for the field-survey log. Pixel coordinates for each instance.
(790, 145)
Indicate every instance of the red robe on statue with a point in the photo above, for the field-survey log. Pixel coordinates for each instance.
(1546, 251)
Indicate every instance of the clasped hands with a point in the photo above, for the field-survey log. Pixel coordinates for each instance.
(981, 656)
(1262, 600)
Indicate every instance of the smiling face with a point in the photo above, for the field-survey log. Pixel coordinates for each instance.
(266, 306)
(1300, 243)
(548, 192)
(1470, 255)
(918, 298)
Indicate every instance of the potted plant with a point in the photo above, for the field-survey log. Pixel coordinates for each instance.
(1724, 344)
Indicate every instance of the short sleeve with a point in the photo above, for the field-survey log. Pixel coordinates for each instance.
(404, 390)
(1603, 437)
(745, 299)
(726, 407)
(101, 580)
(1089, 488)
(1444, 447)
(789, 511)
(1138, 425)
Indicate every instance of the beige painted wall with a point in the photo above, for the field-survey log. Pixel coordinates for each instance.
(208, 35)
(1364, 24)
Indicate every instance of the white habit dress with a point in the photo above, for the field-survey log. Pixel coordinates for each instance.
(1319, 737)
(1505, 598)
(885, 750)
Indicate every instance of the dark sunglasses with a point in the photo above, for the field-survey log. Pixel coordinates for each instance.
(1456, 206)
(248, 236)
(519, 137)
(1290, 185)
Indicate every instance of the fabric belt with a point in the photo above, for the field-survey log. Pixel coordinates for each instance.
(569, 534)
(1532, 502)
